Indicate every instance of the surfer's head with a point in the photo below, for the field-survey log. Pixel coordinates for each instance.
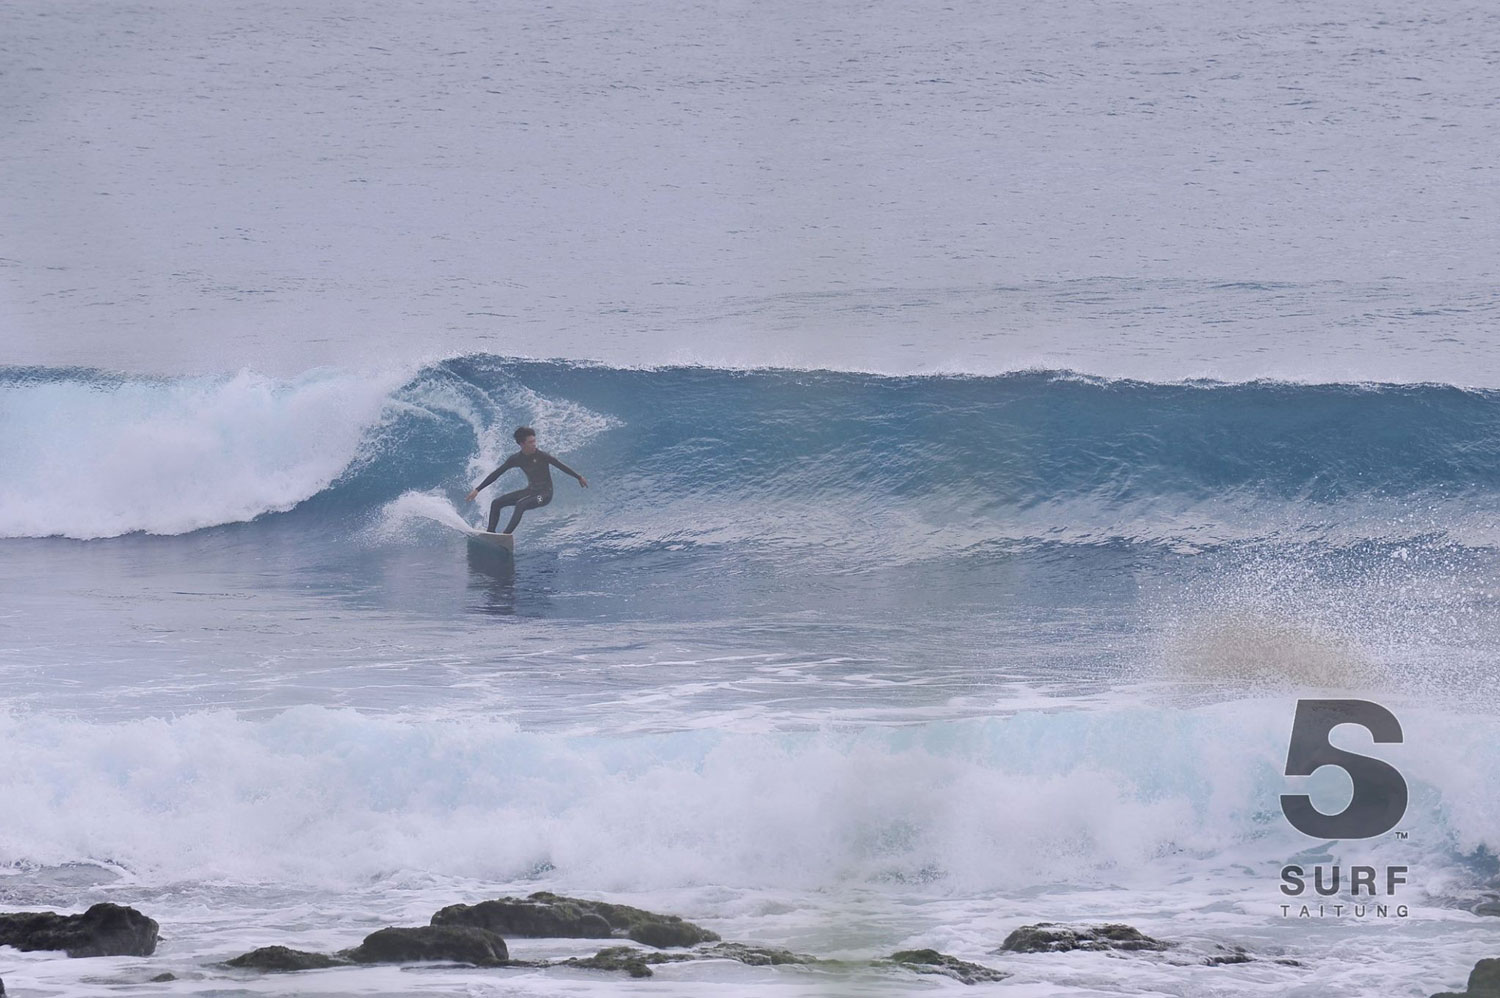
(526, 437)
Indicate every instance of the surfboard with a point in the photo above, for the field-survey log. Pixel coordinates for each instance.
(483, 540)
(492, 554)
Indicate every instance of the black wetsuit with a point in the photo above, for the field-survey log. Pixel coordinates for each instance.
(538, 490)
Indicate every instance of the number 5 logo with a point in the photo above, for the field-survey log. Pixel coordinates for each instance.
(1379, 791)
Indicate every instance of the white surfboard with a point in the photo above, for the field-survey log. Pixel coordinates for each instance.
(483, 540)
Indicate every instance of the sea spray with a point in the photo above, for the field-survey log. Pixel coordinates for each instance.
(1086, 796)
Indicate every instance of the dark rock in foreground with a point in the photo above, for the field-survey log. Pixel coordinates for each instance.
(529, 918)
(1228, 956)
(282, 958)
(634, 962)
(465, 944)
(103, 930)
(671, 931)
(1484, 982)
(1048, 937)
(638, 962)
(754, 956)
(552, 916)
(930, 961)
(453, 943)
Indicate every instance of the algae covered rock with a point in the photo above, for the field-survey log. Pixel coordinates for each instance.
(1049, 937)
(547, 915)
(285, 959)
(755, 956)
(930, 961)
(635, 962)
(448, 943)
(1227, 956)
(529, 918)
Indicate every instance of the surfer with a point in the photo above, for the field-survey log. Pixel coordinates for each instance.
(538, 490)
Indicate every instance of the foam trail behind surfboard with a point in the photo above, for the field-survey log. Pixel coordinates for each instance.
(419, 506)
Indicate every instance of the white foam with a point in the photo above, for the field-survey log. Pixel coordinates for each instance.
(339, 798)
(561, 425)
(87, 458)
(418, 507)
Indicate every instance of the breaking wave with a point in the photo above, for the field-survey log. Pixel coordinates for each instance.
(695, 456)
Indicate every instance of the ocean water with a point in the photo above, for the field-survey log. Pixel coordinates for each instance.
(996, 420)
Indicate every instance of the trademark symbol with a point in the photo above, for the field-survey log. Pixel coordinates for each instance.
(1403, 835)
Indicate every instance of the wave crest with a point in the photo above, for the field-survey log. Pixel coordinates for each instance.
(690, 456)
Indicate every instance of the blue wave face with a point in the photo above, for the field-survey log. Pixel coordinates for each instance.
(1022, 438)
(964, 462)
(950, 463)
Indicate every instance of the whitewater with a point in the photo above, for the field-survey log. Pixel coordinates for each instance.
(996, 420)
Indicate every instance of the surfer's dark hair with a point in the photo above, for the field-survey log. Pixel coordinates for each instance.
(522, 432)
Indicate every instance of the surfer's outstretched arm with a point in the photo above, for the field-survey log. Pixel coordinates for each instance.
(510, 463)
(567, 470)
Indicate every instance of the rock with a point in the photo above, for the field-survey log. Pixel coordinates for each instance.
(634, 962)
(1049, 937)
(281, 958)
(669, 931)
(453, 943)
(1229, 956)
(528, 918)
(755, 956)
(1485, 978)
(163, 978)
(547, 915)
(103, 930)
(1484, 982)
(930, 961)
(638, 962)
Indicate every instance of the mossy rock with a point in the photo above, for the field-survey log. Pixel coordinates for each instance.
(554, 916)
(755, 956)
(1049, 937)
(635, 962)
(446, 943)
(930, 961)
(280, 959)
